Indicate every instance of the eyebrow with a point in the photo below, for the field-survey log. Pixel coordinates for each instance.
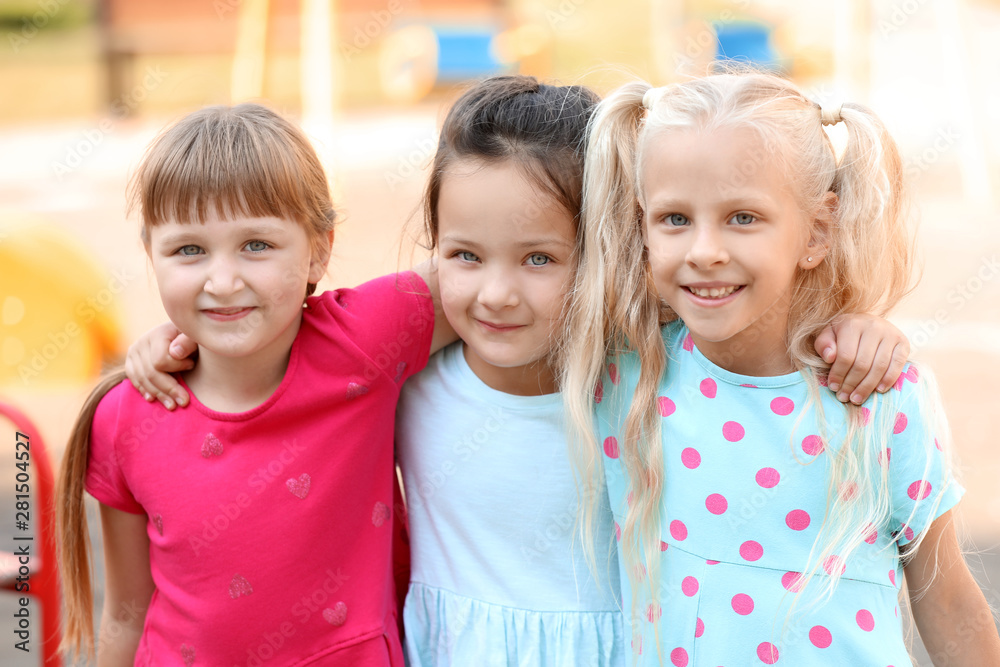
(732, 203)
(530, 243)
(196, 237)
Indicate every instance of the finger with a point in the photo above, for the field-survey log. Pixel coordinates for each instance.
(182, 347)
(848, 339)
(892, 374)
(826, 345)
(880, 363)
(862, 364)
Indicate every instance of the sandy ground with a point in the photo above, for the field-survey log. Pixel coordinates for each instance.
(377, 160)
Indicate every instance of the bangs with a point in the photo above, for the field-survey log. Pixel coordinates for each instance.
(229, 162)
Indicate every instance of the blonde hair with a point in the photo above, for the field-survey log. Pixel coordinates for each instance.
(616, 309)
(244, 160)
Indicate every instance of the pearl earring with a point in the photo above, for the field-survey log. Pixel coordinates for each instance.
(809, 259)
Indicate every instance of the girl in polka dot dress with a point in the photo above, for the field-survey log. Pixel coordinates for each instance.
(759, 520)
(256, 526)
(498, 575)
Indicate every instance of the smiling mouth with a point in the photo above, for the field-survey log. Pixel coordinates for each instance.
(489, 326)
(714, 292)
(224, 314)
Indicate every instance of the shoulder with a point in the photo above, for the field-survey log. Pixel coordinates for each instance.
(396, 288)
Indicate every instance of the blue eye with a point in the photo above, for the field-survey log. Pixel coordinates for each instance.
(257, 246)
(466, 256)
(743, 219)
(185, 250)
(539, 259)
(676, 220)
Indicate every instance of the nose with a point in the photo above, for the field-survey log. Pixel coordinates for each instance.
(707, 248)
(223, 277)
(497, 291)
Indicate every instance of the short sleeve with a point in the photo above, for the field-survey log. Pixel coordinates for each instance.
(920, 474)
(105, 480)
(391, 319)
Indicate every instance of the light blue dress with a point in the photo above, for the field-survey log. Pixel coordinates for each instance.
(497, 576)
(746, 479)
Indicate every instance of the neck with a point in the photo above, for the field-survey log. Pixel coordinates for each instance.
(536, 379)
(237, 384)
(765, 358)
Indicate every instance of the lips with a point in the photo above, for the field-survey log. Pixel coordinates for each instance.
(498, 327)
(713, 292)
(227, 314)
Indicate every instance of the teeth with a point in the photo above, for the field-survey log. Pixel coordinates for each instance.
(713, 292)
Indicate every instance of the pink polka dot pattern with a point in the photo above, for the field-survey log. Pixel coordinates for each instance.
(865, 620)
(848, 491)
(820, 636)
(688, 343)
(653, 612)
(742, 604)
(885, 458)
(733, 431)
(716, 504)
(892, 577)
(678, 530)
(833, 564)
(613, 373)
(900, 424)
(663, 545)
(813, 445)
(689, 586)
(768, 478)
(797, 519)
(699, 628)
(913, 374)
(665, 406)
(792, 581)
(767, 653)
(749, 386)
(618, 532)
(679, 657)
(599, 392)
(919, 490)
(708, 388)
(782, 406)
(611, 447)
(872, 534)
(907, 532)
(711, 562)
(690, 458)
(865, 415)
(751, 550)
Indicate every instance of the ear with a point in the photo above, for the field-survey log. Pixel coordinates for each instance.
(820, 233)
(320, 257)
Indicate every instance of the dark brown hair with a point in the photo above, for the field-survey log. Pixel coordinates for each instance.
(541, 128)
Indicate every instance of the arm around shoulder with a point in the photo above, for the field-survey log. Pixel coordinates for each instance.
(950, 610)
(128, 589)
(443, 333)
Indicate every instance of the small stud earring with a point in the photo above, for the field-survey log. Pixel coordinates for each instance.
(809, 259)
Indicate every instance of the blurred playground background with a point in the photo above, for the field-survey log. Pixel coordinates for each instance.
(87, 83)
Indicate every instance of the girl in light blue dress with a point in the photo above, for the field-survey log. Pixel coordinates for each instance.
(759, 520)
(499, 569)
(500, 574)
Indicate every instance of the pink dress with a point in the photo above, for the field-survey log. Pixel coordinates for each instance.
(271, 530)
